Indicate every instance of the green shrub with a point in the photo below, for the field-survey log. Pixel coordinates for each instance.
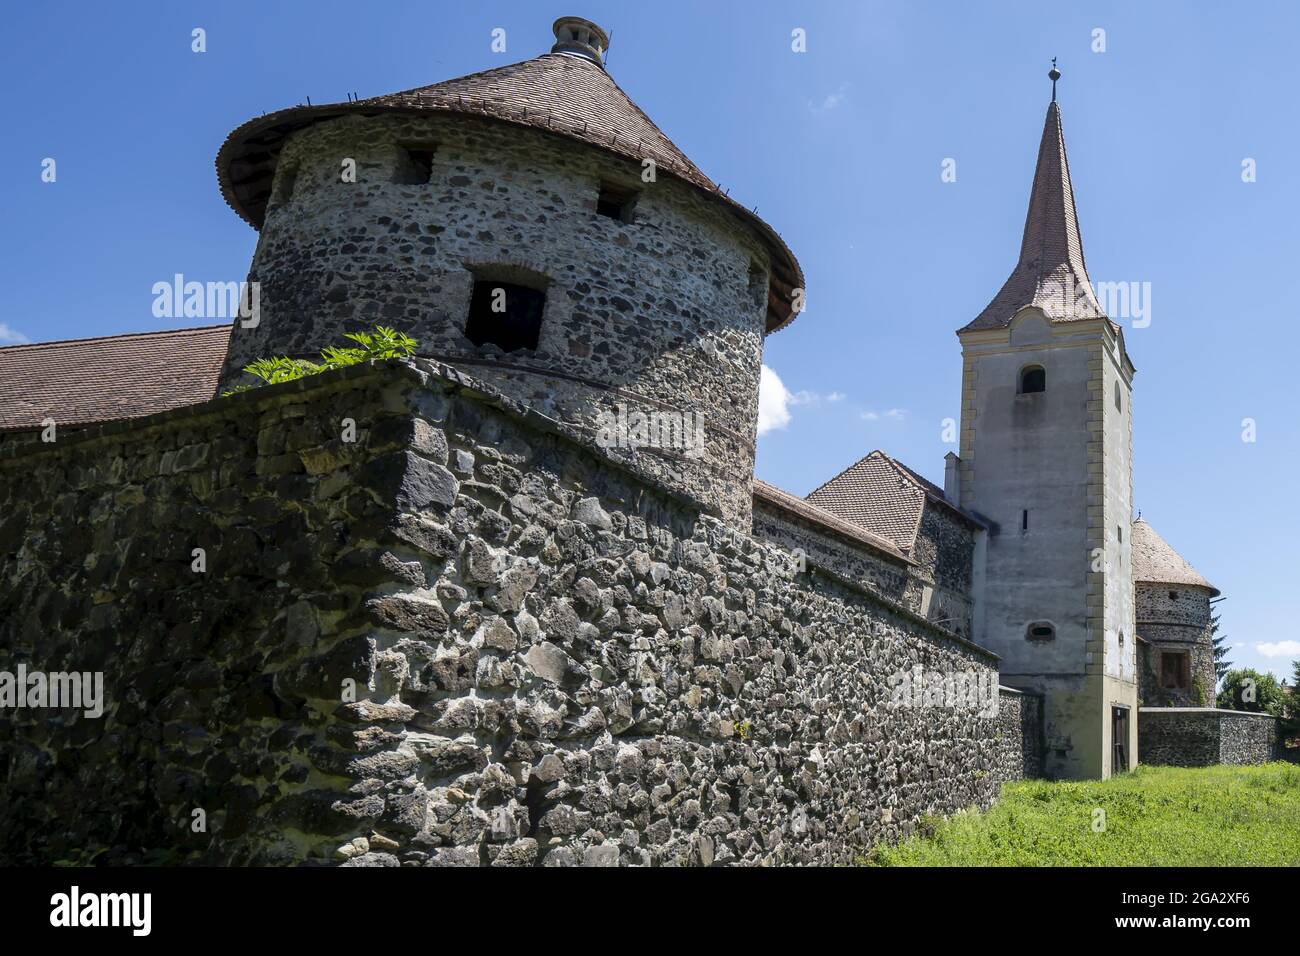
(1248, 689)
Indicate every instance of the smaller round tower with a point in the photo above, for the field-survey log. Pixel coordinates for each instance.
(532, 226)
(1175, 645)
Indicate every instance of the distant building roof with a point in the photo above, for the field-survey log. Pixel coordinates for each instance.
(811, 513)
(885, 497)
(1155, 562)
(1051, 266)
(84, 381)
(561, 92)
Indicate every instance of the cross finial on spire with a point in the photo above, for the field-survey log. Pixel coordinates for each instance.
(1054, 74)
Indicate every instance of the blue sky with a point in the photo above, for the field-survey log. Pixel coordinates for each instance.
(839, 148)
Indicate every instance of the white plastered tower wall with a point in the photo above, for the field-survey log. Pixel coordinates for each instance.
(1051, 469)
(1118, 623)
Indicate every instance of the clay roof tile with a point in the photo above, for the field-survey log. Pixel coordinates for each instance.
(1051, 273)
(84, 381)
(1155, 562)
(557, 93)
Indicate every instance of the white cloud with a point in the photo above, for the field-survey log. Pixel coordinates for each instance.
(895, 414)
(1279, 649)
(11, 336)
(773, 402)
(832, 101)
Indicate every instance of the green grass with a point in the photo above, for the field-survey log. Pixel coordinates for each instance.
(1154, 816)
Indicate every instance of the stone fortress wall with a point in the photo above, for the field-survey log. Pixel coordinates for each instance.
(1203, 736)
(1019, 736)
(556, 660)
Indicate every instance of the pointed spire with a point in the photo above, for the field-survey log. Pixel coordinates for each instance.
(1051, 273)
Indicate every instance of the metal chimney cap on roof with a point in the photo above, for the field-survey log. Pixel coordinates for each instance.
(579, 37)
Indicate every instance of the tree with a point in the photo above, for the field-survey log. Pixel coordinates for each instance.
(1291, 705)
(1248, 689)
(1221, 666)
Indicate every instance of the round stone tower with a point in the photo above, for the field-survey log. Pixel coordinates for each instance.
(530, 225)
(1172, 602)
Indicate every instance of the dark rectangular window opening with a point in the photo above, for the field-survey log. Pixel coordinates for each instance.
(285, 187)
(1024, 520)
(1175, 670)
(416, 166)
(616, 202)
(506, 315)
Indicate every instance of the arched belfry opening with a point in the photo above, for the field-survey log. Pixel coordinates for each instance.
(1033, 378)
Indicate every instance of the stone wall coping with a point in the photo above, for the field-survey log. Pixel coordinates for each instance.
(418, 370)
(1220, 711)
(1016, 691)
(217, 406)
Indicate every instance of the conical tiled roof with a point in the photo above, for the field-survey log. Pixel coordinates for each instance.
(558, 92)
(1051, 273)
(1155, 562)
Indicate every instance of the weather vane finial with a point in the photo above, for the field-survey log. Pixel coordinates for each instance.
(1054, 74)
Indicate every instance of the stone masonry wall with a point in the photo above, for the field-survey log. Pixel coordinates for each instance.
(214, 678)
(934, 583)
(890, 576)
(555, 662)
(945, 553)
(1202, 736)
(1019, 735)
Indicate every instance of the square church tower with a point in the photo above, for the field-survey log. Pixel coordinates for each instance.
(1046, 457)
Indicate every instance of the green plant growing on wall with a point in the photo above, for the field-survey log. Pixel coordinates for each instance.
(1198, 692)
(382, 343)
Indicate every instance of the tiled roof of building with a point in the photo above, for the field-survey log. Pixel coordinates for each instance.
(558, 92)
(873, 494)
(84, 381)
(1051, 273)
(883, 496)
(811, 513)
(1155, 562)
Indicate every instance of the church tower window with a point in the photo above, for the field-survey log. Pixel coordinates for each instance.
(1033, 378)
(1041, 631)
